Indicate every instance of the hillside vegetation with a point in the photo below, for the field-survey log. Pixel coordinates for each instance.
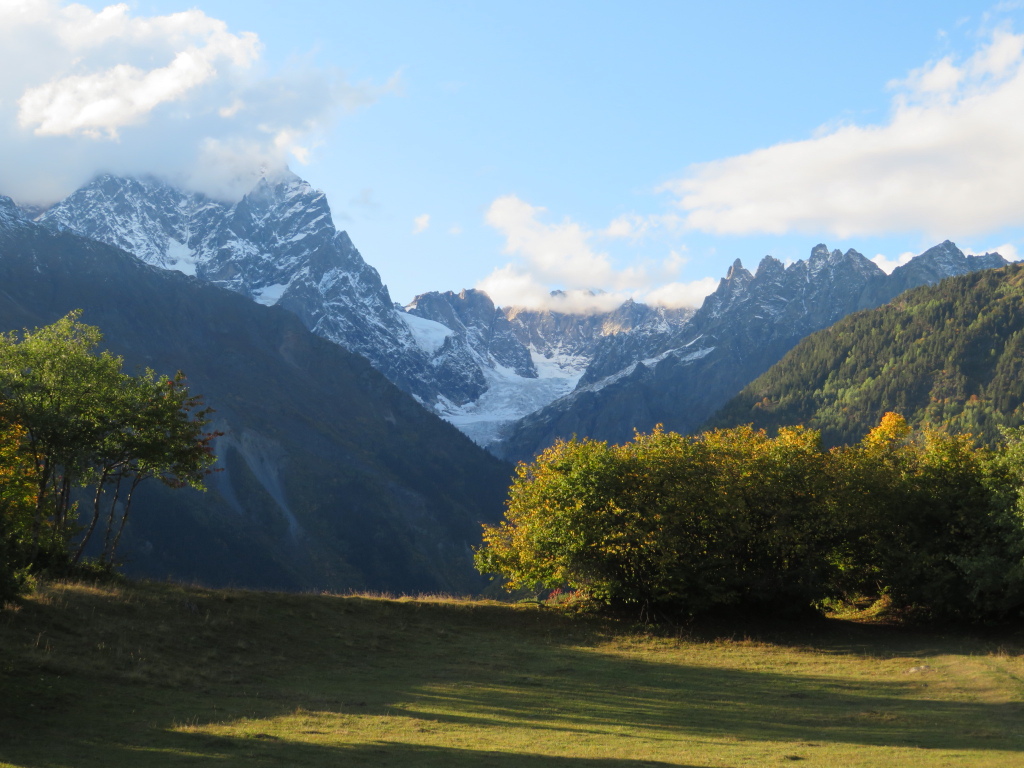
(949, 355)
(163, 675)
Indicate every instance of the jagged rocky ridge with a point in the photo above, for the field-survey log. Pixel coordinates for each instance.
(479, 366)
(333, 477)
(947, 356)
(278, 245)
(681, 376)
(512, 379)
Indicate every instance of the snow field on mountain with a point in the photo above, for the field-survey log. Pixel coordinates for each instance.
(510, 397)
(429, 335)
(180, 257)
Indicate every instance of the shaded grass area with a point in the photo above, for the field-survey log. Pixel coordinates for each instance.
(162, 675)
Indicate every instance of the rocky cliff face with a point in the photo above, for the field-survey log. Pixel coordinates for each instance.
(680, 376)
(278, 245)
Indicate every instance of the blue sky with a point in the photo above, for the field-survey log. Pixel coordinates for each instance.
(520, 147)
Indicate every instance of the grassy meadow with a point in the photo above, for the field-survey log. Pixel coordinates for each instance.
(144, 674)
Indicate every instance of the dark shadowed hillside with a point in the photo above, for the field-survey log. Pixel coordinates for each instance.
(333, 477)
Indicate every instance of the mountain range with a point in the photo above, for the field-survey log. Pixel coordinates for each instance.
(343, 463)
(949, 356)
(477, 365)
(514, 380)
(681, 377)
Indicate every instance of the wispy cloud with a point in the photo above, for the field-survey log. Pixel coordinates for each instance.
(179, 94)
(566, 256)
(947, 163)
(887, 265)
(634, 226)
(690, 294)
(420, 223)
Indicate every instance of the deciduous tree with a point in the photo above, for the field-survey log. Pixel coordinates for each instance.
(87, 424)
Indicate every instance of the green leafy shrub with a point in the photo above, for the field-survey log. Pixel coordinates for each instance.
(733, 517)
(17, 503)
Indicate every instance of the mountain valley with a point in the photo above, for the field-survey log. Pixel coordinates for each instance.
(333, 476)
(512, 379)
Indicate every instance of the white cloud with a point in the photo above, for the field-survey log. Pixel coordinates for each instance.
(108, 98)
(231, 109)
(947, 163)
(179, 95)
(634, 226)
(559, 253)
(420, 223)
(682, 294)
(887, 265)
(511, 286)
(563, 257)
(229, 167)
(1007, 250)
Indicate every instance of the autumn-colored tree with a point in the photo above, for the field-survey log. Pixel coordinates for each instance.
(667, 521)
(734, 517)
(559, 512)
(17, 504)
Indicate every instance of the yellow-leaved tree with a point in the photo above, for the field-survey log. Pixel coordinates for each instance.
(17, 505)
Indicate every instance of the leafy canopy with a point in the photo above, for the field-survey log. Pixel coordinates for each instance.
(735, 518)
(73, 420)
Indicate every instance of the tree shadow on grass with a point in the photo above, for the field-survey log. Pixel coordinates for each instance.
(664, 699)
(842, 637)
(569, 695)
(477, 673)
(263, 751)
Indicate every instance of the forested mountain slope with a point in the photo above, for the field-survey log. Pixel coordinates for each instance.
(680, 378)
(333, 477)
(949, 355)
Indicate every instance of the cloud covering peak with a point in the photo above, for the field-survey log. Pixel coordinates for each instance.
(180, 95)
(563, 256)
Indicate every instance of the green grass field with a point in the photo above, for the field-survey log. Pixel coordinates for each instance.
(161, 675)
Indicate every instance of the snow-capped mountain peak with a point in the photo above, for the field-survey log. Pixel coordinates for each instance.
(482, 367)
(279, 246)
